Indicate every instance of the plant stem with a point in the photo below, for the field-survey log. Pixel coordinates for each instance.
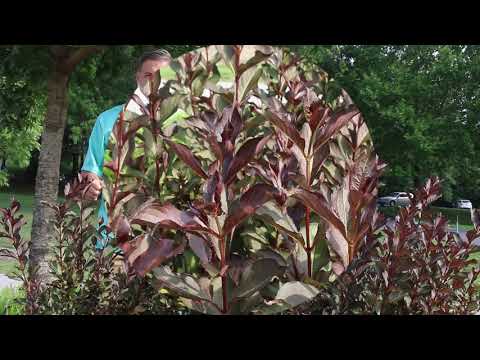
(156, 183)
(223, 263)
(307, 225)
(308, 249)
(117, 168)
(237, 77)
(79, 245)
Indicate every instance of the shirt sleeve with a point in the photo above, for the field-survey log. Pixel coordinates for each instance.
(96, 147)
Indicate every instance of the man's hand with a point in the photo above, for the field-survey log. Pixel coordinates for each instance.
(94, 184)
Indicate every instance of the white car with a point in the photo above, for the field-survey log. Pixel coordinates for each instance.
(463, 204)
(395, 199)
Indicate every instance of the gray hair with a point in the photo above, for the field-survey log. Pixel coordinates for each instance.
(156, 55)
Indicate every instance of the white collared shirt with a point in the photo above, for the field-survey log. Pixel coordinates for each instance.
(133, 107)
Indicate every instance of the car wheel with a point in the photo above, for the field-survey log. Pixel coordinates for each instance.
(392, 203)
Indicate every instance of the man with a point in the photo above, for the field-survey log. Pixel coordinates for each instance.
(92, 169)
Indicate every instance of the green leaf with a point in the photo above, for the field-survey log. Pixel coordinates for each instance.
(295, 293)
(313, 232)
(200, 247)
(217, 292)
(168, 73)
(283, 222)
(248, 80)
(298, 262)
(271, 309)
(255, 241)
(270, 254)
(198, 85)
(182, 284)
(127, 171)
(252, 55)
(221, 101)
(168, 107)
(321, 255)
(228, 54)
(250, 303)
(256, 276)
(201, 307)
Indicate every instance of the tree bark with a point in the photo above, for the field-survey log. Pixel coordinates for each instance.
(48, 172)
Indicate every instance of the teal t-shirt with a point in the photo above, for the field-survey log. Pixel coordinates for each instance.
(97, 145)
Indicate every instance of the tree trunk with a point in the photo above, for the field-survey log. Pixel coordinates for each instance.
(65, 59)
(48, 172)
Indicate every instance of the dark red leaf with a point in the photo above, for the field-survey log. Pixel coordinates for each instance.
(210, 188)
(255, 197)
(338, 268)
(112, 165)
(135, 125)
(188, 158)
(19, 223)
(224, 270)
(244, 155)
(317, 203)
(319, 158)
(121, 228)
(233, 123)
(15, 206)
(156, 251)
(318, 116)
(152, 213)
(335, 123)
(286, 127)
(215, 147)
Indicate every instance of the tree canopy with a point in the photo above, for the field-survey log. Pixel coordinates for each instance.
(421, 104)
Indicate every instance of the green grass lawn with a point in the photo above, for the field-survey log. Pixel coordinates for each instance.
(25, 197)
(8, 305)
(7, 267)
(463, 215)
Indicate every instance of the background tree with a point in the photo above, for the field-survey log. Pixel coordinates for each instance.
(51, 78)
(421, 104)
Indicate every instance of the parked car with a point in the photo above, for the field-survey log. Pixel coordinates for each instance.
(395, 199)
(463, 204)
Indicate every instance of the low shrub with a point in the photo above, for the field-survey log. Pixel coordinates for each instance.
(83, 280)
(410, 268)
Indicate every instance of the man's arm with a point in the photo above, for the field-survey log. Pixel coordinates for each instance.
(92, 169)
(93, 162)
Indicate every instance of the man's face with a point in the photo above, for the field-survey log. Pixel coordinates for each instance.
(149, 68)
